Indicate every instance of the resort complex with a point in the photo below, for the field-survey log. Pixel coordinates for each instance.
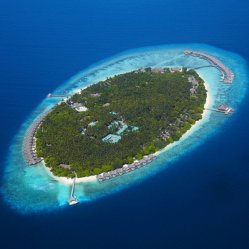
(117, 126)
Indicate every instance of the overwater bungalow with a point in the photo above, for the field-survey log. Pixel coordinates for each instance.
(126, 168)
(225, 109)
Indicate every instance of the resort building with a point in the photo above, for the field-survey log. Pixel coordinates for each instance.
(95, 95)
(126, 168)
(78, 106)
(157, 70)
(175, 69)
(65, 166)
(93, 123)
(111, 138)
(165, 135)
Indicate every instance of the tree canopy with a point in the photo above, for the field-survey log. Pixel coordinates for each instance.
(158, 108)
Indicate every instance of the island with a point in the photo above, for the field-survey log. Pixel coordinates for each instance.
(119, 121)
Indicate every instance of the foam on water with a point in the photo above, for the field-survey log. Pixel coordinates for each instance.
(31, 189)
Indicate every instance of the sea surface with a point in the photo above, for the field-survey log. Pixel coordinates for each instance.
(193, 196)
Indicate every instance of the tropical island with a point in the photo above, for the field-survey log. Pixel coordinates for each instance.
(119, 120)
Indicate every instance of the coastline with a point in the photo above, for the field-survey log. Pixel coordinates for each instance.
(195, 126)
(66, 180)
(93, 178)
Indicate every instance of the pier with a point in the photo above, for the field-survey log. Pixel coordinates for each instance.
(126, 168)
(72, 199)
(227, 74)
(29, 141)
(200, 67)
(223, 109)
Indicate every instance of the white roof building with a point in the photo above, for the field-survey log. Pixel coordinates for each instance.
(81, 109)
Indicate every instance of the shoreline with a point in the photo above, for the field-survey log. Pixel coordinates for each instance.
(93, 178)
(67, 180)
(208, 104)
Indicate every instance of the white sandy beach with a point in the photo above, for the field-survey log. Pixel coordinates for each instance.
(69, 181)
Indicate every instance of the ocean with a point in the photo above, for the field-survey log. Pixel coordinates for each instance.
(199, 200)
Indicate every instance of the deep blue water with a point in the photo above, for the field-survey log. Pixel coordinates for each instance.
(202, 201)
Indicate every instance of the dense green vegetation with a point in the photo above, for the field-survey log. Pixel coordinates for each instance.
(159, 104)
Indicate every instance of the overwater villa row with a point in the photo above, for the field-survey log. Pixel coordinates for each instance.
(29, 141)
(126, 168)
(227, 74)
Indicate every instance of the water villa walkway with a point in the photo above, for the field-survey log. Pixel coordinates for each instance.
(227, 74)
(29, 141)
(72, 199)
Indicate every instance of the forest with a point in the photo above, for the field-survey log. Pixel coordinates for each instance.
(160, 104)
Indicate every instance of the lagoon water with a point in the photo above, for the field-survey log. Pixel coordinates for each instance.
(195, 195)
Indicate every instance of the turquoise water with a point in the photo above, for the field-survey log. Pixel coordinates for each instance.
(31, 189)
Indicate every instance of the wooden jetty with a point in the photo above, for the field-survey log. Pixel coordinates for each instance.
(72, 199)
(227, 74)
(126, 168)
(225, 109)
(29, 145)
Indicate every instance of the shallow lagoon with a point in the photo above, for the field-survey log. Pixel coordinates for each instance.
(31, 189)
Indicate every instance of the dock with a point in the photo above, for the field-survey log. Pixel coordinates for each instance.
(227, 74)
(223, 109)
(72, 199)
(126, 168)
(29, 146)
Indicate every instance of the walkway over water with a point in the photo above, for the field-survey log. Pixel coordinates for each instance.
(227, 74)
(222, 108)
(72, 199)
(206, 66)
(29, 141)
